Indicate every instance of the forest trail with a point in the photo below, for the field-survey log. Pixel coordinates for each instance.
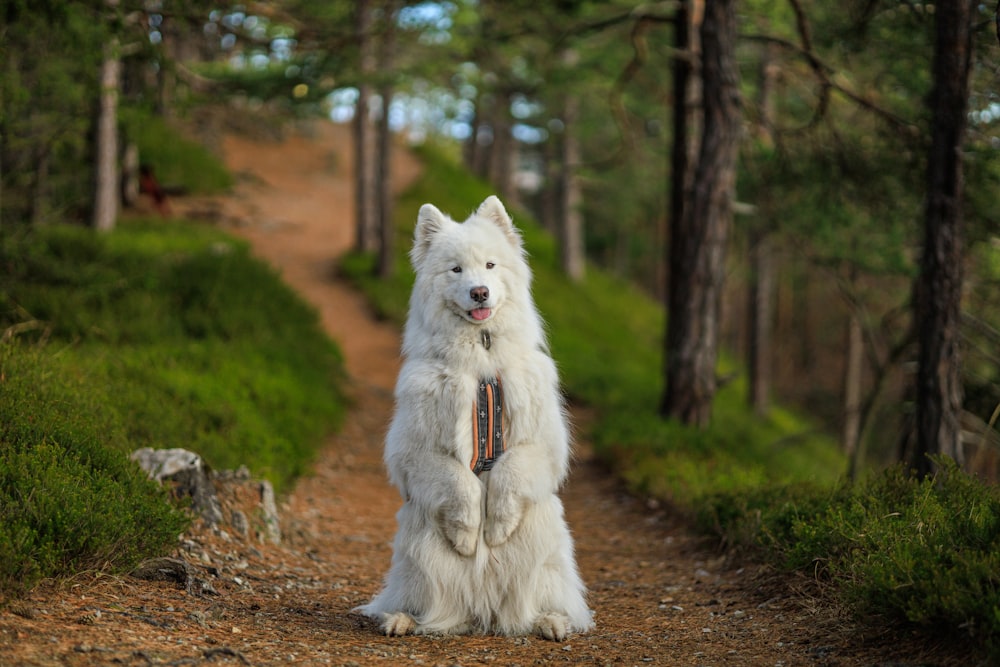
(660, 595)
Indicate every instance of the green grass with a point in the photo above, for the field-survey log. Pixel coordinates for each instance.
(177, 162)
(893, 548)
(159, 335)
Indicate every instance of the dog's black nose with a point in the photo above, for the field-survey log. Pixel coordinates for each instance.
(479, 294)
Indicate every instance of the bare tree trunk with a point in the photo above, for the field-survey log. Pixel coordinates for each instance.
(504, 153)
(39, 195)
(386, 256)
(761, 296)
(130, 174)
(551, 194)
(571, 237)
(698, 243)
(939, 285)
(679, 167)
(470, 149)
(366, 206)
(107, 194)
(853, 363)
(761, 322)
(801, 319)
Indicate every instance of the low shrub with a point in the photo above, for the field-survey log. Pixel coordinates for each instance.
(70, 498)
(906, 550)
(159, 335)
(177, 162)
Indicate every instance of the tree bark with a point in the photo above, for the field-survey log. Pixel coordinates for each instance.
(700, 235)
(761, 296)
(366, 207)
(503, 157)
(106, 196)
(571, 214)
(761, 324)
(938, 289)
(853, 365)
(387, 231)
(130, 174)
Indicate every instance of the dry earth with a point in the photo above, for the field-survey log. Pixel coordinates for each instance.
(660, 595)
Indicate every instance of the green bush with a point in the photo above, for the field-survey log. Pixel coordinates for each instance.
(159, 335)
(70, 498)
(922, 552)
(176, 161)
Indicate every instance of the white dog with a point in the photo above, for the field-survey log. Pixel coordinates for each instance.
(478, 446)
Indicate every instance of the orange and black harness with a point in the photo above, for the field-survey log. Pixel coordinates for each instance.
(487, 425)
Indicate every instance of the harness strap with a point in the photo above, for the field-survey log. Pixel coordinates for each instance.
(487, 425)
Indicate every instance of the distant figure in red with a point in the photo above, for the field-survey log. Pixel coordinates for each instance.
(148, 185)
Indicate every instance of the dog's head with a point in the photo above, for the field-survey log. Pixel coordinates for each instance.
(471, 268)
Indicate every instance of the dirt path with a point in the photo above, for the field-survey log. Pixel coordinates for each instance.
(660, 596)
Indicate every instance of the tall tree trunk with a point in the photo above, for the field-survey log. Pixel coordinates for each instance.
(698, 242)
(366, 205)
(571, 237)
(761, 321)
(504, 152)
(804, 357)
(470, 149)
(40, 191)
(386, 255)
(106, 196)
(850, 434)
(130, 174)
(679, 168)
(939, 286)
(761, 294)
(551, 193)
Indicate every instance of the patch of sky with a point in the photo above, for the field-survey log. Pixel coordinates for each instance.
(432, 19)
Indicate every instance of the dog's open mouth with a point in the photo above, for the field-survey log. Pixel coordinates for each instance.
(480, 314)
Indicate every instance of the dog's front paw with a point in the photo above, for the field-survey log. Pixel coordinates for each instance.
(503, 516)
(463, 539)
(552, 626)
(398, 624)
(461, 521)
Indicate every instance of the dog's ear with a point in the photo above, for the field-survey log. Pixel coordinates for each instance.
(430, 220)
(492, 209)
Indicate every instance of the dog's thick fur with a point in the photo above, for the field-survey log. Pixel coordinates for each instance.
(488, 553)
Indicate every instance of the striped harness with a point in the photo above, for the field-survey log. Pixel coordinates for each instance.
(487, 425)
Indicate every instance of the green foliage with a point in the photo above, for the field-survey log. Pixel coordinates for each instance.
(70, 499)
(48, 87)
(176, 161)
(155, 335)
(924, 552)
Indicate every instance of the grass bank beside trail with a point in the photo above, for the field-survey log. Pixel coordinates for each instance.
(895, 550)
(159, 334)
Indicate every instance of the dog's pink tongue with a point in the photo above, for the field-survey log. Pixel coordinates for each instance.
(480, 313)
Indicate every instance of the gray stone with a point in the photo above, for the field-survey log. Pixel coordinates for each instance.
(269, 510)
(187, 472)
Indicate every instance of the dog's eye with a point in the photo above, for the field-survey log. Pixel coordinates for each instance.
(456, 269)
(490, 265)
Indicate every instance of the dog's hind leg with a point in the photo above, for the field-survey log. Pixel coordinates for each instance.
(552, 626)
(398, 624)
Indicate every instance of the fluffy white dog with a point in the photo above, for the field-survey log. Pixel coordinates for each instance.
(478, 446)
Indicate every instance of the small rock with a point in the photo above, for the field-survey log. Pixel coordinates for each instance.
(163, 569)
(187, 472)
(272, 528)
(240, 523)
